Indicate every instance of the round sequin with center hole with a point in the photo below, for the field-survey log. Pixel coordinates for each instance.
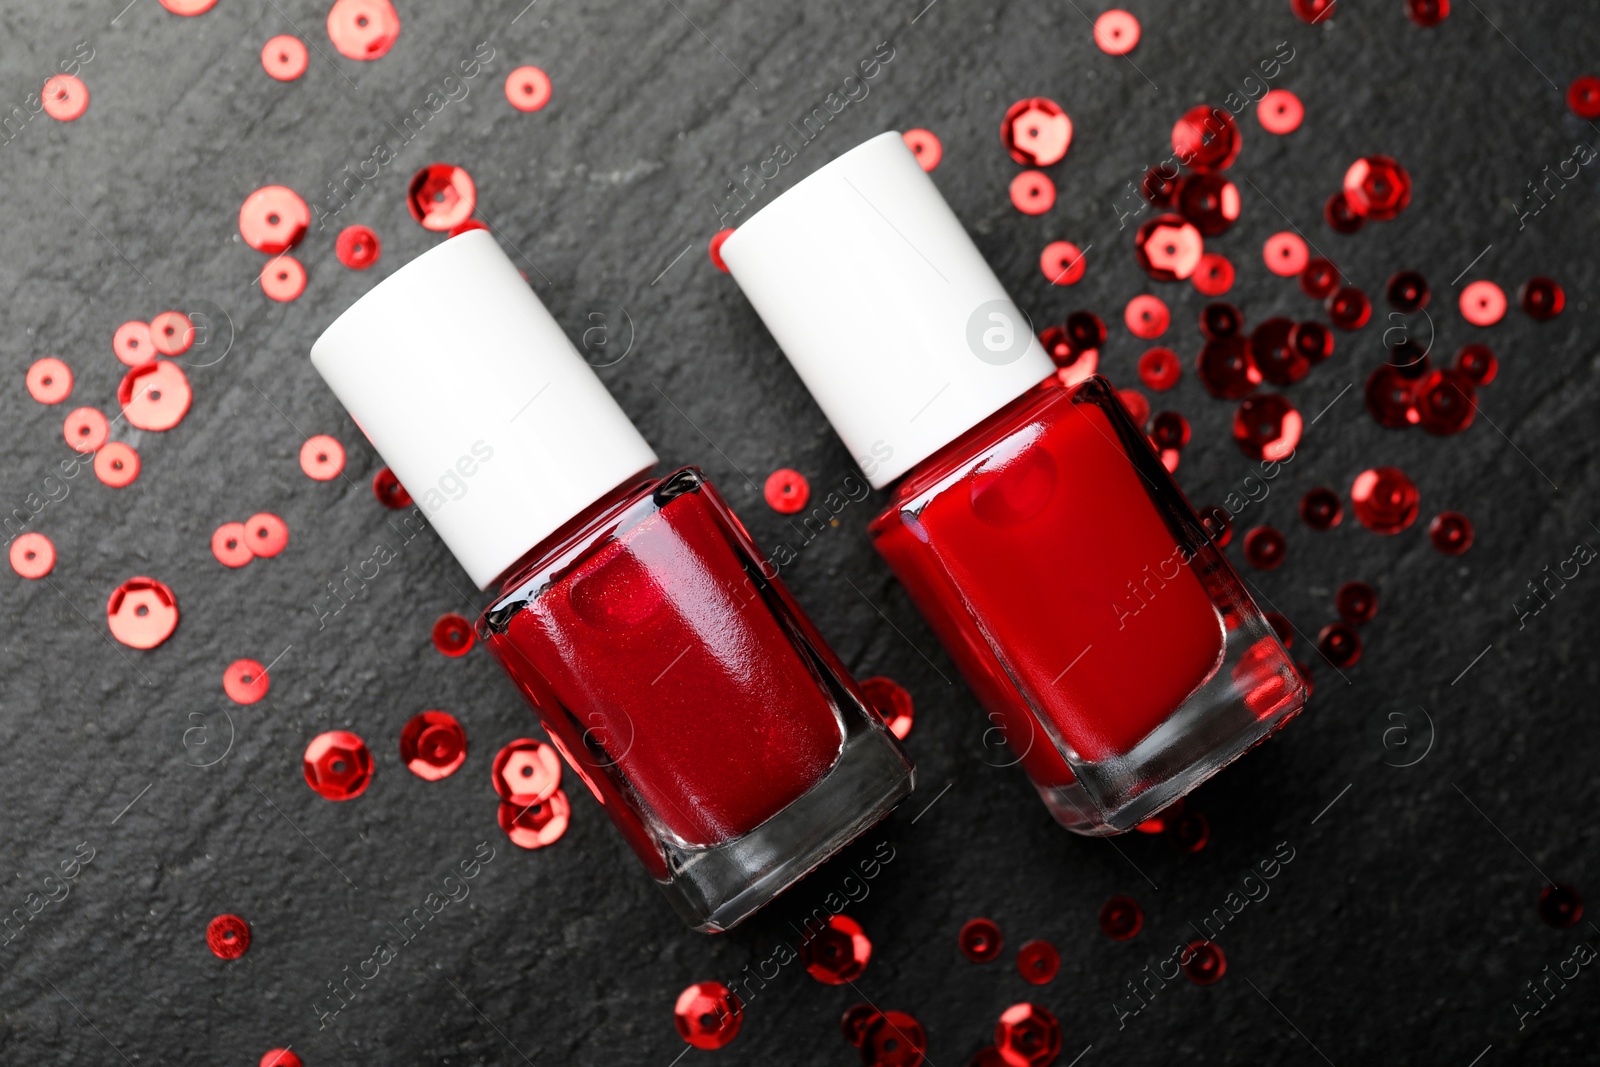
(284, 57)
(1116, 32)
(1408, 291)
(116, 464)
(273, 219)
(1478, 363)
(1321, 509)
(1038, 962)
(85, 429)
(1265, 548)
(1146, 317)
(433, 745)
(1159, 186)
(1203, 962)
(1583, 96)
(1032, 192)
(854, 1022)
(1226, 368)
(714, 249)
(1168, 429)
(786, 491)
(33, 555)
(1450, 532)
(1542, 298)
(1266, 426)
(1356, 603)
(1377, 188)
(1160, 369)
(49, 380)
(280, 1057)
(1214, 275)
(1285, 254)
(525, 771)
(1339, 215)
(1217, 523)
(1036, 132)
(337, 765)
(1349, 308)
(1027, 1036)
(925, 146)
(980, 940)
(1206, 139)
(188, 8)
(388, 490)
(894, 1039)
(64, 97)
(1319, 278)
(528, 88)
(1311, 340)
(1121, 918)
(132, 343)
(452, 635)
(1086, 331)
(1278, 361)
(1061, 262)
(1427, 13)
(1210, 201)
(1483, 303)
(1387, 396)
(1187, 830)
(1560, 906)
(1168, 248)
(171, 333)
(708, 1015)
(1384, 499)
(363, 29)
(1445, 402)
(231, 545)
(1280, 112)
(357, 247)
(891, 702)
(266, 534)
(245, 681)
(441, 195)
(322, 458)
(836, 953)
(142, 613)
(228, 937)
(1219, 320)
(283, 279)
(155, 395)
(1340, 643)
(538, 824)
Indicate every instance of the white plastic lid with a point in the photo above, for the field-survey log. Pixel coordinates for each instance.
(885, 307)
(478, 402)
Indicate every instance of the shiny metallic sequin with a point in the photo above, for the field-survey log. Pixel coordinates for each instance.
(1356, 603)
(891, 702)
(853, 1024)
(441, 195)
(528, 88)
(1038, 962)
(1384, 499)
(1168, 429)
(1560, 906)
(1445, 401)
(1349, 308)
(979, 940)
(1312, 11)
(1427, 13)
(1377, 188)
(1478, 363)
(49, 380)
(1483, 303)
(142, 613)
(1160, 369)
(357, 247)
(1340, 216)
(452, 635)
(132, 344)
(786, 491)
(708, 1015)
(1340, 643)
(1121, 918)
(155, 395)
(1210, 201)
(1027, 1036)
(1206, 138)
(1321, 509)
(1214, 275)
(433, 745)
(1265, 548)
(1583, 96)
(1219, 320)
(1116, 32)
(837, 952)
(1451, 533)
(231, 545)
(388, 490)
(171, 333)
(322, 458)
(64, 97)
(1280, 112)
(1266, 426)
(273, 219)
(283, 278)
(714, 249)
(116, 464)
(266, 534)
(1061, 262)
(245, 681)
(1226, 368)
(1408, 291)
(85, 429)
(363, 29)
(1285, 254)
(33, 555)
(525, 771)
(1032, 192)
(925, 146)
(1036, 132)
(1146, 316)
(1168, 248)
(537, 824)
(1319, 278)
(894, 1039)
(1203, 962)
(228, 937)
(337, 765)
(1279, 362)
(1137, 404)
(285, 57)
(1541, 298)
(1188, 830)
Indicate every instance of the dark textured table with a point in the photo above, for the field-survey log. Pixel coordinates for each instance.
(1425, 797)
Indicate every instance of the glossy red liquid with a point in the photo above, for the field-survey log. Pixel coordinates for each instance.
(676, 680)
(1033, 546)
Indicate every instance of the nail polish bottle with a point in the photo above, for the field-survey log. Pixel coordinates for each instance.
(1032, 523)
(653, 639)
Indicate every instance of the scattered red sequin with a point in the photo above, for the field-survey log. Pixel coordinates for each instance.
(1032, 192)
(1203, 962)
(1226, 368)
(1265, 548)
(1189, 831)
(1121, 918)
(538, 824)
(1542, 298)
(33, 555)
(1583, 96)
(1340, 643)
(273, 219)
(1136, 403)
(1206, 138)
(1027, 1036)
(894, 1039)
(1450, 532)
(1312, 340)
(116, 464)
(1160, 369)
(853, 1024)
(1312, 11)
(452, 635)
(1408, 291)
(337, 765)
(64, 97)
(228, 937)
(1427, 13)
(155, 395)
(357, 247)
(1483, 303)
(1266, 426)
(440, 196)
(1560, 906)
(1339, 215)
(1168, 429)
(892, 703)
(245, 681)
(837, 952)
(285, 57)
(390, 493)
(1061, 262)
(786, 491)
(1478, 363)
(266, 533)
(1280, 112)
(1085, 331)
(1349, 308)
(528, 88)
(1160, 186)
(142, 613)
(525, 771)
(1319, 278)
(1219, 320)
(1116, 32)
(1320, 508)
(322, 458)
(1279, 361)
(188, 8)
(1285, 254)
(1168, 248)
(1384, 499)
(231, 545)
(714, 249)
(1445, 401)
(85, 429)
(1388, 397)
(1210, 201)
(1356, 603)
(132, 344)
(1036, 132)
(1214, 275)
(979, 940)
(433, 745)
(1377, 188)
(708, 1015)
(1038, 962)
(49, 380)
(171, 333)
(280, 1057)
(283, 278)
(363, 29)
(1147, 317)
(925, 146)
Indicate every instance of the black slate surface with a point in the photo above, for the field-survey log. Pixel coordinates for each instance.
(1405, 926)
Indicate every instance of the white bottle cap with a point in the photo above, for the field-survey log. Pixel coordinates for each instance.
(885, 307)
(478, 402)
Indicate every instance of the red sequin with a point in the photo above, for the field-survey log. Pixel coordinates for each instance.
(1160, 186)
(1210, 201)
(891, 702)
(1321, 509)
(925, 146)
(1349, 308)
(1168, 248)
(1116, 32)
(1203, 962)
(1038, 962)
(1136, 403)
(245, 681)
(1542, 298)
(1280, 112)
(228, 937)
(142, 613)
(433, 745)
(1147, 317)
(1032, 192)
(390, 493)
(1445, 401)
(116, 464)
(266, 533)
(1560, 906)
(1340, 216)
(538, 824)
(526, 771)
(1319, 278)
(1356, 603)
(1266, 426)
(171, 333)
(337, 765)
(1427, 13)
(273, 219)
(64, 97)
(1279, 362)
(1483, 303)
(1311, 340)
(1340, 643)
(231, 545)
(1214, 275)
(1384, 499)
(528, 88)
(1312, 11)
(714, 249)
(1265, 548)
(1450, 532)
(357, 247)
(1121, 918)
(1285, 254)
(708, 1015)
(85, 429)
(440, 196)
(1478, 363)
(1160, 369)
(1219, 320)
(1036, 132)
(1583, 96)
(188, 8)
(1061, 262)
(452, 635)
(132, 344)
(853, 1024)
(979, 940)
(1027, 1036)
(363, 29)
(1169, 430)
(49, 380)
(1226, 368)
(894, 1039)
(284, 57)
(786, 491)
(1189, 831)
(1408, 291)
(283, 279)
(155, 395)
(322, 458)
(1206, 138)
(1388, 397)
(280, 1057)
(33, 555)
(1377, 188)
(837, 952)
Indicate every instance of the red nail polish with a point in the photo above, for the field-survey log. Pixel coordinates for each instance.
(666, 661)
(1032, 522)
